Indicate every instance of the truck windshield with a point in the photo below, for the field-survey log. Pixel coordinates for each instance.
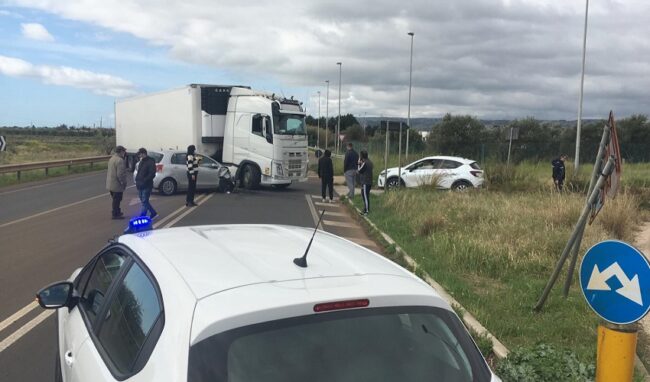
(406, 344)
(289, 124)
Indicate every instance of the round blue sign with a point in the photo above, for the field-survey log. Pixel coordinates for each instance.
(615, 280)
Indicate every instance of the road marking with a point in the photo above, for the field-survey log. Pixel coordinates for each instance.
(338, 214)
(18, 315)
(312, 209)
(189, 210)
(339, 224)
(54, 209)
(15, 336)
(48, 184)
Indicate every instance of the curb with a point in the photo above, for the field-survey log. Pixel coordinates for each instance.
(498, 348)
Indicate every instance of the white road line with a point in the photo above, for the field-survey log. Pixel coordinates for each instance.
(314, 214)
(15, 336)
(18, 315)
(47, 184)
(55, 209)
(189, 210)
(170, 216)
(337, 214)
(339, 224)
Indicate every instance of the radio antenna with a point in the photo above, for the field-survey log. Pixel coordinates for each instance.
(302, 261)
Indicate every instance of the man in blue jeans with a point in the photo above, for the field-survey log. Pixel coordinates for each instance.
(144, 182)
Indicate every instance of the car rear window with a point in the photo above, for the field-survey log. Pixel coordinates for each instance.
(474, 165)
(156, 156)
(379, 344)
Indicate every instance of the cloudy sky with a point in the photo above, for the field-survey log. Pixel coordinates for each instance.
(67, 61)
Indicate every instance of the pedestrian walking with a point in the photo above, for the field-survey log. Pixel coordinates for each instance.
(559, 171)
(326, 174)
(144, 182)
(365, 172)
(192, 175)
(116, 180)
(350, 168)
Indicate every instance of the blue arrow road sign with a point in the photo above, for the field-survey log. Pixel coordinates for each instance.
(615, 280)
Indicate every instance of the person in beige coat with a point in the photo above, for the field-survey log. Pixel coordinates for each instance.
(116, 180)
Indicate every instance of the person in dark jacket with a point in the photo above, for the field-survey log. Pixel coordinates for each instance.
(350, 168)
(365, 173)
(144, 181)
(192, 175)
(559, 171)
(326, 174)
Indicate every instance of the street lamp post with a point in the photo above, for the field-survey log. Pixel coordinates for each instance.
(338, 126)
(582, 82)
(318, 129)
(408, 116)
(327, 108)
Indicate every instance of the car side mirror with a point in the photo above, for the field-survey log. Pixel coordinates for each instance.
(56, 295)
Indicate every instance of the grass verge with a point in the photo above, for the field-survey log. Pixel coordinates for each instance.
(35, 175)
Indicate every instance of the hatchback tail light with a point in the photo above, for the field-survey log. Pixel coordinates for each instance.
(477, 174)
(159, 167)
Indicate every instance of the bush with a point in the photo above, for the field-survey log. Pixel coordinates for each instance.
(544, 363)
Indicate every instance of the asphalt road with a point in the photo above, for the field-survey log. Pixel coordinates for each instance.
(49, 229)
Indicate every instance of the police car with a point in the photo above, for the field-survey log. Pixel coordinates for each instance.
(253, 303)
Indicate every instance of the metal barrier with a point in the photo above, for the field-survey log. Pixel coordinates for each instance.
(18, 168)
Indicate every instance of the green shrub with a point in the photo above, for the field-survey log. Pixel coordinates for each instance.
(544, 363)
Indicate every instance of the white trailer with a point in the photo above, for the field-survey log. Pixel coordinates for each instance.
(262, 135)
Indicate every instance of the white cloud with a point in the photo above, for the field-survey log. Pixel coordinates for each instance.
(36, 32)
(505, 58)
(98, 83)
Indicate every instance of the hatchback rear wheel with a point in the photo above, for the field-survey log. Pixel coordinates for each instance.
(168, 187)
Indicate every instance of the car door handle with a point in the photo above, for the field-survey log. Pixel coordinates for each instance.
(69, 359)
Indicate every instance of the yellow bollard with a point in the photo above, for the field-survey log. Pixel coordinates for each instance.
(615, 353)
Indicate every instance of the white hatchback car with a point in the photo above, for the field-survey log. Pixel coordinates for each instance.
(227, 303)
(445, 172)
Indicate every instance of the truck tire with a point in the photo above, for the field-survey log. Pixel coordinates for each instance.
(250, 177)
(168, 187)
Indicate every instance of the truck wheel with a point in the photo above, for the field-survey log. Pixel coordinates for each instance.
(167, 187)
(250, 177)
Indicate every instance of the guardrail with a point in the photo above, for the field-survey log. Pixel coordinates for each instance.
(18, 168)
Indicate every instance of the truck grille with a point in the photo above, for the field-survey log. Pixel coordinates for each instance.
(295, 164)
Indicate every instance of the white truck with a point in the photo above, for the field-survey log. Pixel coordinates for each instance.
(259, 133)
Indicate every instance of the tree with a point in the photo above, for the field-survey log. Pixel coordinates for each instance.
(457, 135)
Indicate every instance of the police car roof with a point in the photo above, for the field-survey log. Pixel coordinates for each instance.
(214, 258)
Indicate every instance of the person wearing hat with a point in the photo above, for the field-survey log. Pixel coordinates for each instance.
(116, 180)
(144, 181)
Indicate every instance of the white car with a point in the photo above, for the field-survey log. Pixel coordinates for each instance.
(229, 303)
(445, 172)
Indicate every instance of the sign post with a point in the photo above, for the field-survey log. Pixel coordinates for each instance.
(614, 277)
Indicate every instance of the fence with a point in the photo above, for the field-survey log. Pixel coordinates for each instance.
(18, 168)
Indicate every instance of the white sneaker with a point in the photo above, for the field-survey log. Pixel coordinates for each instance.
(330, 201)
(323, 200)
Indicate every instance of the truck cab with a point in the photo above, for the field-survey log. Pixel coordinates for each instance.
(265, 138)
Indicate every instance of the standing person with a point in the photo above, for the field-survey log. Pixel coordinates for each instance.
(350, 168)
(116, 180)
(559, 171)
(326, 174)
(144, 182)
(192, 175)
(365, 172)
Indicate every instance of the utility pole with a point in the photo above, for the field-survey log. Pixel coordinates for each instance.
(338, 127)
(318, 129)
(408, 117)
(327, 108)
(582, 83)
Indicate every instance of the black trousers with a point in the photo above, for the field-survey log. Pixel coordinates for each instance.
(559, 184)
(327, 184)
(117, 199)
(191, 188)
(365, 193)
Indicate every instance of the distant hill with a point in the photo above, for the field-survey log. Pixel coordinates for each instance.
(427, 123)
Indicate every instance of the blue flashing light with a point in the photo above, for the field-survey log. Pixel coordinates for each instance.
(139, 224)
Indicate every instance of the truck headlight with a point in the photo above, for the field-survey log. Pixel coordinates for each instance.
(278, 169)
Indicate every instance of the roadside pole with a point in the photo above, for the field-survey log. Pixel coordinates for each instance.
(615, 352)
(399, 158)
(386, 159)
(510, 145)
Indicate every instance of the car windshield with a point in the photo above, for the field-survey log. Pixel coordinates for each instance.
(289, 124)
(381, 344)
